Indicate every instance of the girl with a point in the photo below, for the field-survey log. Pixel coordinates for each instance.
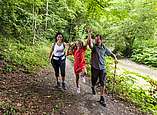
(78, 51)
(57, 57)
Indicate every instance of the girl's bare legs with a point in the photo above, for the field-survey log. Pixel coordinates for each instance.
(77, 80)
(77, 83)
(83, 75)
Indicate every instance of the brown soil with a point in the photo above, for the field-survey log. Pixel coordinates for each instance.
(36, 94)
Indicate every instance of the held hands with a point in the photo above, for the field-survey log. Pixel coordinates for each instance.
(89, 31)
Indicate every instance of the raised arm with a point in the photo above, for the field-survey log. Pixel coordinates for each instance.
(70, 49)
(86, 43)
(90, 41)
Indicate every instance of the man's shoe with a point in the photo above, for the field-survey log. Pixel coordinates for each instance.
(102, 101)
(93, 91)
(58, 84)
(63, 86)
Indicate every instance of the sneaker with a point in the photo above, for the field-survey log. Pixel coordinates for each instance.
(93, 91)
(63, 86)
(58, 84)
(102, 101)
(78, 90)
(84, 79)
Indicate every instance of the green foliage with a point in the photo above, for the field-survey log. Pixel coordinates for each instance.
(131, 20)
(7, 109)
(146, 53)
(88, 57)
(125, 24)
(24, 56)
(134, 88)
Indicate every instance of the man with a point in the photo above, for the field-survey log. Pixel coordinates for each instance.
(98, 70)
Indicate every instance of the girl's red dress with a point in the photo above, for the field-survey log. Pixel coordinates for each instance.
(79, 60)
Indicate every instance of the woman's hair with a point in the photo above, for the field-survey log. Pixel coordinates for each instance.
(59, 33)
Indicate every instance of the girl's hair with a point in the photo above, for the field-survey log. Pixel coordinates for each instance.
(59, 33)
(80, 42)
(73, 46)
(99, 36)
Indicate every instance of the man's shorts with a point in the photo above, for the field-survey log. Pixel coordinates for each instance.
(96, 73)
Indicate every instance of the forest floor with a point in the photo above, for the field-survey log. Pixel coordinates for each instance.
(37, 95)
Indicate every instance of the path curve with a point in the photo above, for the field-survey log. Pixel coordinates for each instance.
(126, 64)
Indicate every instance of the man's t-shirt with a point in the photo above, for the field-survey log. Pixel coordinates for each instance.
(98, 56)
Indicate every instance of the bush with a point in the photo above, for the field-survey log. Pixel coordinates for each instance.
(146, 56)
(24, 56)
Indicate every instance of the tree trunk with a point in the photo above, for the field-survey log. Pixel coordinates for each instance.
(129, 46)
(47, 6)
(33, 25)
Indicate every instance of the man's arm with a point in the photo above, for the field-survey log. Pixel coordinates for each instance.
(115, 58)
(90, 41)
(51, 52)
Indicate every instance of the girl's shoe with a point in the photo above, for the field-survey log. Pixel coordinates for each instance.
(84, 79)
(78, 90)
(93, 91)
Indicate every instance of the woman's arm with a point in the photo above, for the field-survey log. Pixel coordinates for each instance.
(70, 49)
(51, 52)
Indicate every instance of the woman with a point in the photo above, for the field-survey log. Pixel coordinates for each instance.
(57, 57)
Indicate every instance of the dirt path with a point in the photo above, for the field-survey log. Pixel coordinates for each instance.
(87, 103)
(37, 95)
(138, 68)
